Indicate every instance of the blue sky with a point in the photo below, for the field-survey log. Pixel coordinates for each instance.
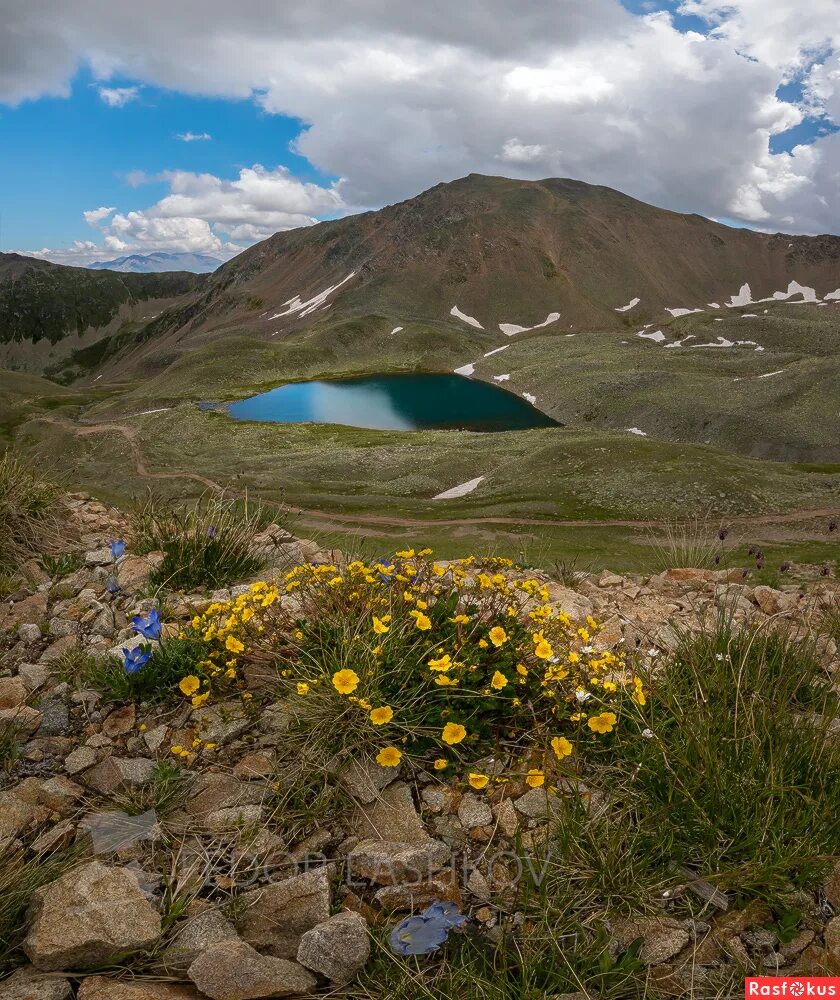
(732, 114)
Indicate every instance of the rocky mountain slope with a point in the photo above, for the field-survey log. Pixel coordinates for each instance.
(155, 263)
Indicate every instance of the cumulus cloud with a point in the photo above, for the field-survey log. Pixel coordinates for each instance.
(396, 98)
(194, 136)
(96, 215)
(118, 97)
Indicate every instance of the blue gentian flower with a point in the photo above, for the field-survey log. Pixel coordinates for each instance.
(387, 564)
(117, 548)
(136, 659)
(427, 931)
(150, 626)
(211, 531)
(111, 585)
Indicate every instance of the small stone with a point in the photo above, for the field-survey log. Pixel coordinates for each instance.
(506, 817)
(274, 917)
(535, 803)
(338, 948)
(60, 627)
(389, 863)
(233, 818)
(55, 717)
(233, 970)
(195, 936)
(135, 572)
(24, 719)
(27, 984)
(254, 765)
(662, 937)
(106, 988)
(831, 936)
(13, 692)
(474, 811)
(99, 557)
(364, 779)
(79, 760)
(119, 774)
(29, 634)
(120, 721)
(416, 895)
(110, 917)
(33, 675)
(392, 816)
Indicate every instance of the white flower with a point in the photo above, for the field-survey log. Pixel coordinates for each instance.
(587, 649)
(582, 695)
(718, 657)
(648, 734)
(652, 652)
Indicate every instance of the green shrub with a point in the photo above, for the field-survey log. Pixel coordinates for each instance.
(156, 680)
(209, 544)
(62, 565)
(31, 514)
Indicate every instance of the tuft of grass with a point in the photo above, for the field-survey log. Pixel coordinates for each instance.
(166, 791)
(31, 514)
(20, 877)
(694, 542)
(62, 565)
(740, 781)
(157, 680)
(208, 544)
(307, 794)
(11, 740)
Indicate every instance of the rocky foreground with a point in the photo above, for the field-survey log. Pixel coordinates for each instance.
(199, 885)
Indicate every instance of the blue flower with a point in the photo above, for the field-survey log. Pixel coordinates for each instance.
(426, 932)
(150, 626)
(136, 659)
(211, 531)
(111, 585)
(117, 548)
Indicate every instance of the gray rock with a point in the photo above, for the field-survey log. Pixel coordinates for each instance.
(29, 634)
(536, 803)
(80, 759)
(91, 915)
(13, 692)
(107, 988)
(233, 970)
(55, 717)
(474, 811)
(27, 984)
(364, 779)
(392, 816)
(274, 917)
(338, 948)
(99, 557)
(119, 774)
(33, 675)
(61, 627)
(389, 863)
(195, 936)
(662, 937)
(233, 818)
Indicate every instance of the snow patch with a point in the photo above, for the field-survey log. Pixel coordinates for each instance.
(501, 378)
(679, 343)
(496, 350)
(794, 288)
(459, 491)
(833, 296)
(743, 298)
(713, 305)
(510, 329)
(465, 370)
(682, 312)
(746, 378)
(396, 330)
(657, 336)
(295, 304)
(635, 430)
(531, 399)
(630, 305)
(145, 413)
(456, 312)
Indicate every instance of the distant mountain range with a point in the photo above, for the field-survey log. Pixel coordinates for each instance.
(155, 263)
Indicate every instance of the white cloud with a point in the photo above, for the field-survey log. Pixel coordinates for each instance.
(96, 215)
(118, 97)
(396, 98)
(194, 136)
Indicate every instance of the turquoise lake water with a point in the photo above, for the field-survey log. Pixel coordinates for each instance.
(395, 402)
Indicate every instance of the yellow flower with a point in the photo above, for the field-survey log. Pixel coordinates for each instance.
(189, 685)
(379, 627)
(177, 750)
(535, 778)
(302, 687)
(478, 780)
(440, 764)
(345, 681)
(379, 716)
(442, 680)
(498, 636)
(483, 644)
(498, 681)
(453, 733)
(209, 746)
(602, 723)
(233, 644)
(421, 621)
(460, 619)
(389, 757)
(143, 727)
(543, 650)
(521, 669)
(561, 747)
(442, 663)
(199, 699)
(406, 554)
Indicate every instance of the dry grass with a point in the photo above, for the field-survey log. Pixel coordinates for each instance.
(32, 515)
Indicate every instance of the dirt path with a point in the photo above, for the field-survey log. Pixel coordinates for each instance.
(337, 520)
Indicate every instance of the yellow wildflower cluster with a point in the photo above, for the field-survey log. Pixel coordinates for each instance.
(447, 659)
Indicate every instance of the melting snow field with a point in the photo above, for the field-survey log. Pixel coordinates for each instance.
(396, 330)
(682, 312)
(510, 329)
(456, 312)
(465, 370)
(295, 305)
(657, 335)
(635, 430)
(459, 491)
(748, 378)
(501, 378)
(531, 399)
(629, 306)
(496, 350)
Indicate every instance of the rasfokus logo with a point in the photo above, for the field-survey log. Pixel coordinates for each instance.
(792, 986)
